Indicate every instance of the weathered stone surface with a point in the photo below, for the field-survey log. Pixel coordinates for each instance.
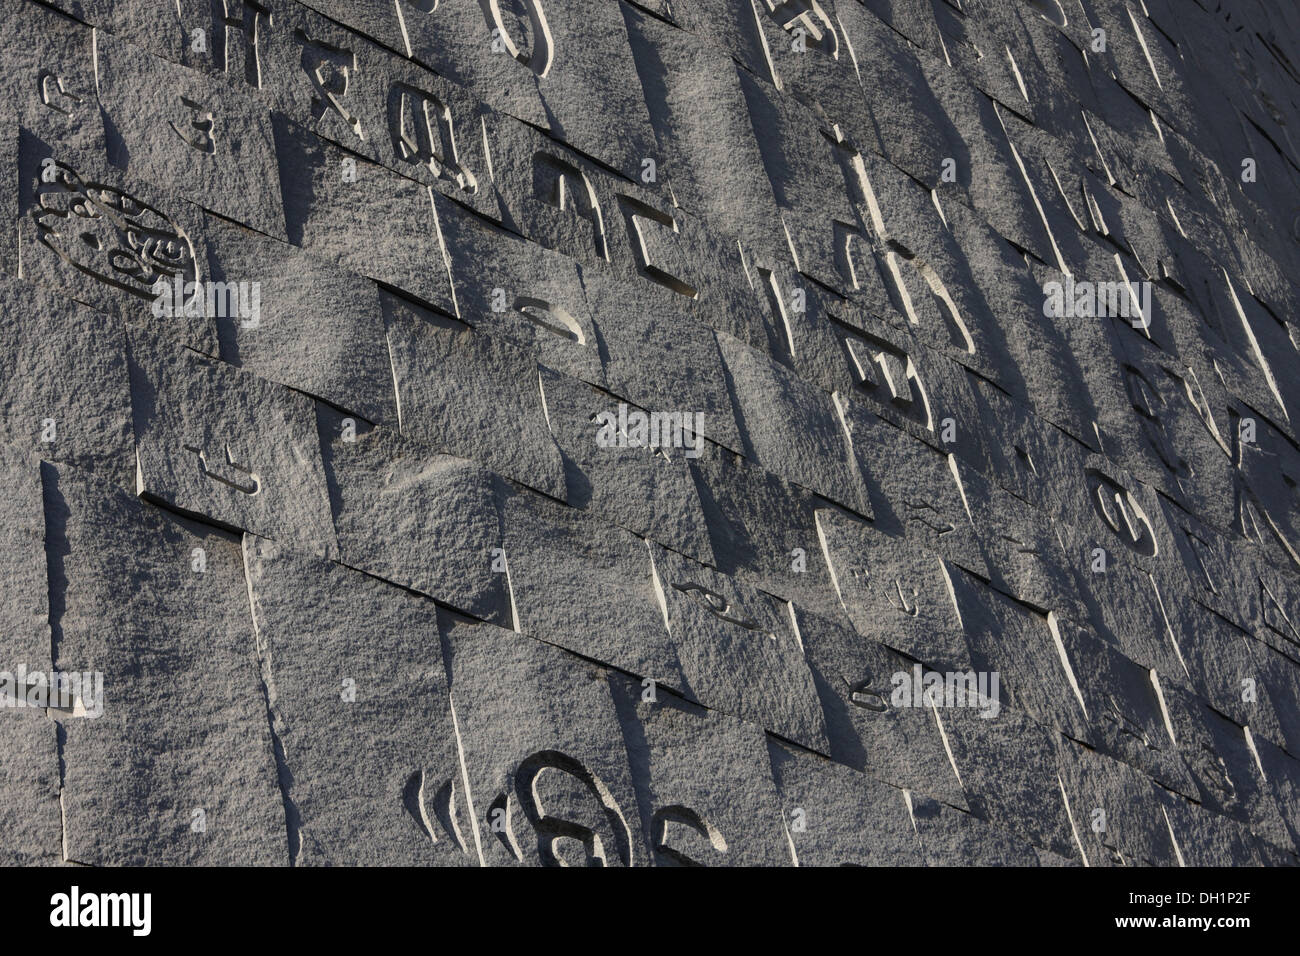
(1283, 775)
(875, 723)
(836, 817)
(26, 607)
(416, 518)
(1224, 670)
(915, 492)
(1007, 767)
(659, 356)
(108, 241)
(1281, 677)
(792, 428)
(1221, 759)
(471, 395)
(171, 772)
(651, 432)
(30, 816)
(311, 327)
(763, 527)
(210, 140)
(1022, 647)
(363, 217)
(1126, 707)
(65, 393)
(739, 649)
(357, 695)
(589, 587)
(522, 293)
(647, 489)
(898, 593)
(228, 447)
(566, 66)
(1204, 838)
(548, 777)
(711, 155)
(951, 837)
(681, 757)
(48, 69)
(1114, 810)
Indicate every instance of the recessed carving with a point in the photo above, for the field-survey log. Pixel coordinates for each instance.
(109, 234)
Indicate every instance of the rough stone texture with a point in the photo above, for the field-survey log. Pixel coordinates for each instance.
(319, 330)
(454, 386)
(31, 775)
(682, 756)
(357, 694)
(586, 587)
(739, 648)
(180, 767)
(213, 441)
(334, 351)
(150, 104)
(415, 517)
(837, 817)
(66, 394)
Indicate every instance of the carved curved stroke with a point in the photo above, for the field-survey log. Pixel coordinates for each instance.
(83, 223)
(677, 813)
(543, 53)
(551, 829)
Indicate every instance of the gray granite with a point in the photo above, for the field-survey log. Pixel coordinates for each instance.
(369, 777)
(170, 772)
(49, 76)
(1007, 766)
(362, 217)
(765, 528)
(66, 394)
(952, 837)
(1021, 646)
(915, 491)
(1222, 761)
(27, 604)
(658, 355)
(31, 813)
(568, 69)
(739, 648)
(870, 726)
(109, 241)
(316, 329)
(452, 251)
(548, 778)
(836, 817)
(415, 517)
(705, 784)
(1130, 829)
(471, 395)
(1127, 709)
(792, 428)
(895, 591)
(209, 140)
(226, 446)
(650, 490)
(562, 566)
(520, 292)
